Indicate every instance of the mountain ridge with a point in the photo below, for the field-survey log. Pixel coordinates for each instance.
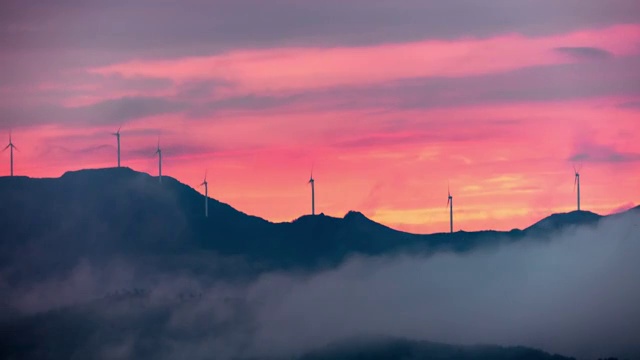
(552, 221)
(106, 213)
(95, 242)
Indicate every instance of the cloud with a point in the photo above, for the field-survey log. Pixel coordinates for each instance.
(195, 26)
(296, 68)
(630, 105)
(108, 112)
(549, 83)
(462, 299)
(206, 99)
(584, 52)
(128, 108)
(574, 294)
(174, 150)
(445, 134)
(591, 152)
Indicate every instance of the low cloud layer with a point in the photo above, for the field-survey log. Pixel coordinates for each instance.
(575, 294)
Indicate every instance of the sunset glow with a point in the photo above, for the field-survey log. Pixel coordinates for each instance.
(501, 115)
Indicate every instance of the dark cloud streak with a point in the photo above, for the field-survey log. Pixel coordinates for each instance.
(596, 153)
(151, 29)
(584, 53)
(113, 112)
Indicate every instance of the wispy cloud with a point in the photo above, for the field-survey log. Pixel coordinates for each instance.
(630, 105)
(584, 52)
(113, 112)
(591, 152)
(295, 68)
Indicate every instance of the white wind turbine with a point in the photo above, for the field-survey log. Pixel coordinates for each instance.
(11, 147)
(450, 206)
(576, 182)
(313, 193)
(159, 152)
(117, 135)
(206, 195)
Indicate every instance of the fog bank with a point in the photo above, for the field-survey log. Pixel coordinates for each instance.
(576, 294)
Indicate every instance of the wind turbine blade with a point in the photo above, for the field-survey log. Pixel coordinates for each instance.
(15, 148)
(5, 149)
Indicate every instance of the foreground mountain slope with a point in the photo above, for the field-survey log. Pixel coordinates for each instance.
(50, 224)
(414, 350)
(112, 264)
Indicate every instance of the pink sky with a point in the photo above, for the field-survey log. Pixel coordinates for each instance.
(502, 114)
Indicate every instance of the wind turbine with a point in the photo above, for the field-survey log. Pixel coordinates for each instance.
(117, 135)
(450, 206)
(159, 152)
(576, 182)
(313, 193)
(206, 195)
(11, 147)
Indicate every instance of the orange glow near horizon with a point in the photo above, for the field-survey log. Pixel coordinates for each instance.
(507, 161)
(497, 182)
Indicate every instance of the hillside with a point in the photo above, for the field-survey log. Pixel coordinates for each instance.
(98, 263)
(50, 224)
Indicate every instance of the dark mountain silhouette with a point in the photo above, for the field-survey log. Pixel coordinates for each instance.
(106, 218)
(82, 333)
(558, 221)
(48, 225)
(413, 350)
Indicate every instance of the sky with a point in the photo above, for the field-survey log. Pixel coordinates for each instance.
(388, 101)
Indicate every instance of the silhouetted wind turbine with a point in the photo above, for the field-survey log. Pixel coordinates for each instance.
(313, 193)
(206, 195)
(11, 147)
(450, 206)
(159, 152)
(117, 135)
(576, 181)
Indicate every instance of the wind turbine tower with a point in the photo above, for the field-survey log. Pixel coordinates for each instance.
(450, 206)
(159, 152)
(117, 135)
(576, 182)
(206, 195)
(313, 194)
(11, 147)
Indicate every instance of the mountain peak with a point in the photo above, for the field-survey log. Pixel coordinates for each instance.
(355, 215)
(114, 171)
(559, 220)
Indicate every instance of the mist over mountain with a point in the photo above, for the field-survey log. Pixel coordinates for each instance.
(112, 264)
